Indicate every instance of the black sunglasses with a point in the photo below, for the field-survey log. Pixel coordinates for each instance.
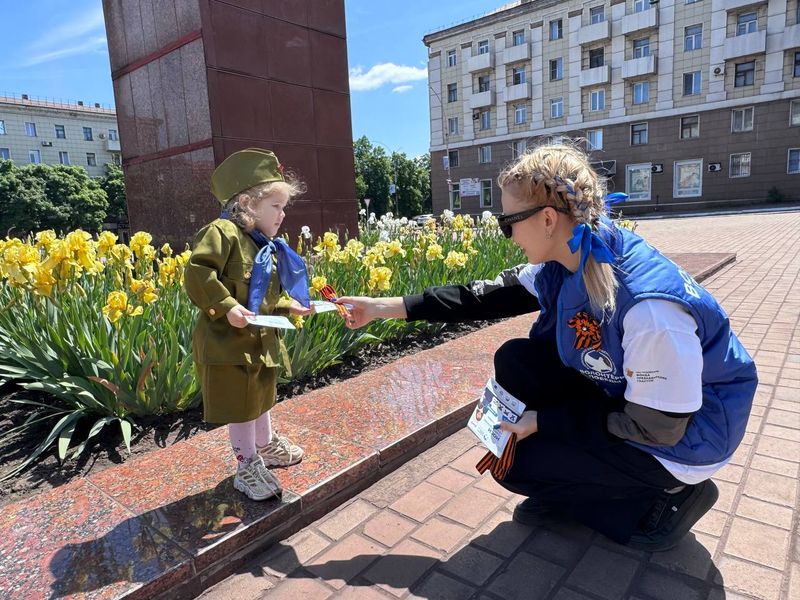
(506, 221)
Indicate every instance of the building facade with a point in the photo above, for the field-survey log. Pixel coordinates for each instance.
(39, 131)
(681, 103)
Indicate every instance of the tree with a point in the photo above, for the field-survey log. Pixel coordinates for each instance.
(37, 197)
(113, 184)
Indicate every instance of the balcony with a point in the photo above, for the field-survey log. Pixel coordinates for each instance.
(745, 45)
(481, 99)
(737, 4)
(791, 37)
(480, 62)
(588, 34)
(514, 54)
(112, 145)
(595, 76)
(521, 91)
(639, 67)
(647, 19)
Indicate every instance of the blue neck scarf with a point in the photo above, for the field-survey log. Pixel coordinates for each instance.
(291, 270)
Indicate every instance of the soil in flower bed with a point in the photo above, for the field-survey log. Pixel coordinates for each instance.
(107, 449)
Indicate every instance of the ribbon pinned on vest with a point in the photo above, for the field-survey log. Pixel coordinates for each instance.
(499, 467)
(291, 269)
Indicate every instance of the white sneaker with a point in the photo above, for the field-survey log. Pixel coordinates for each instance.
(256, 482)
(280, 452)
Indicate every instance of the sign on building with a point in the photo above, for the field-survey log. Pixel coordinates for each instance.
(469, 187)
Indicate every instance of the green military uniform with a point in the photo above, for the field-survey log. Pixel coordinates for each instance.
(237, 368)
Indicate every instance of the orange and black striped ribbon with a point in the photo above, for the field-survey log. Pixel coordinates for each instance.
(499, 467)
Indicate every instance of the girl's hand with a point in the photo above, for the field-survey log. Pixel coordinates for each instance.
(237, 316)
(527, 425)
(297, 309)
(363, 310)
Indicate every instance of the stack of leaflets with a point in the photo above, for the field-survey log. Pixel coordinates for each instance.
(494, 406)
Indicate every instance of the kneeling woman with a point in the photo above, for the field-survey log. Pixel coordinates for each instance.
(637, 390)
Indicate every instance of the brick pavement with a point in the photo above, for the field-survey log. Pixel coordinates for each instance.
(435, 529)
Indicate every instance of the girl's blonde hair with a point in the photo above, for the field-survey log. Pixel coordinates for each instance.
(244, 215)
(560, 175)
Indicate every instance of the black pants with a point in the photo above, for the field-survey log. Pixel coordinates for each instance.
(588, 474)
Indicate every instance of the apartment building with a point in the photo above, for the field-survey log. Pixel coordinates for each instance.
(681, 103)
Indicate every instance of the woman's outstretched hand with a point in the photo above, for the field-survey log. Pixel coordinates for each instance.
(362, 310)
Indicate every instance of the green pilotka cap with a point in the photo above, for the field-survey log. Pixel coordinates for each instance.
(243, 170)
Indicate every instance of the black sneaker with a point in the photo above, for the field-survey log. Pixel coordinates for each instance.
(530, 510)
(672, 516)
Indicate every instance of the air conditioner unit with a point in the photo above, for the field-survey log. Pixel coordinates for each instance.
(47, 143)
(476, 116)
(102, 136)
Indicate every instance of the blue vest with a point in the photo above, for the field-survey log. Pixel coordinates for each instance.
(593, 346)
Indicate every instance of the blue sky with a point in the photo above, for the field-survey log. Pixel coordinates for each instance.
(63, 55)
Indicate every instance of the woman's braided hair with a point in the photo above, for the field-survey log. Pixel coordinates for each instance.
(560, 175)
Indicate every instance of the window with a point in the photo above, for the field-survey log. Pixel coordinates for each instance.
(556, 108)
(112, 135)
(87, 134)
(91, 159)
(517, 75)
(690, 127)
(596, 58)
(452, 158)
(557, 69)
(597, 14)
(518, 37)
(740, 165)
(116, 158)
(486, 193)
(691, 1)
(793, 162)
(640, 5)
(746, 23)
(638, 134)
(595, 139)
(483, 83)
(641, 92)
(486, 119)
(455, 196)
(5, 154)
(451, 58)
(30, 129)
(691, 84)
(483, 47)
(61, 134)
(518, 148)
(2, 127)
(745, 74)
(797, 64)
(34, 157)
(520, 114)
(556, 30)
(742, 119)
(452, 92)
(637, 181)
(688, 178)
(693, 38)
(794, 112)
(641, 47)
(63, 158)
(485, 154)
(597, 100)
(452, 125)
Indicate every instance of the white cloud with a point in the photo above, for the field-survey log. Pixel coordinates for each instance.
(382, 74)
(84, 33)
(402, 88)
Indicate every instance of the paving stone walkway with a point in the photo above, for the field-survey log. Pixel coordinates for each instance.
(435, 529)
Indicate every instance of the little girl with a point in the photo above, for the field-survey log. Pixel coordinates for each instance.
(238, 269)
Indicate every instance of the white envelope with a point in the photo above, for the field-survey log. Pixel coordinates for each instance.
(271, 321)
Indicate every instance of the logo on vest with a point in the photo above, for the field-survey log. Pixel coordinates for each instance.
(587, 331)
